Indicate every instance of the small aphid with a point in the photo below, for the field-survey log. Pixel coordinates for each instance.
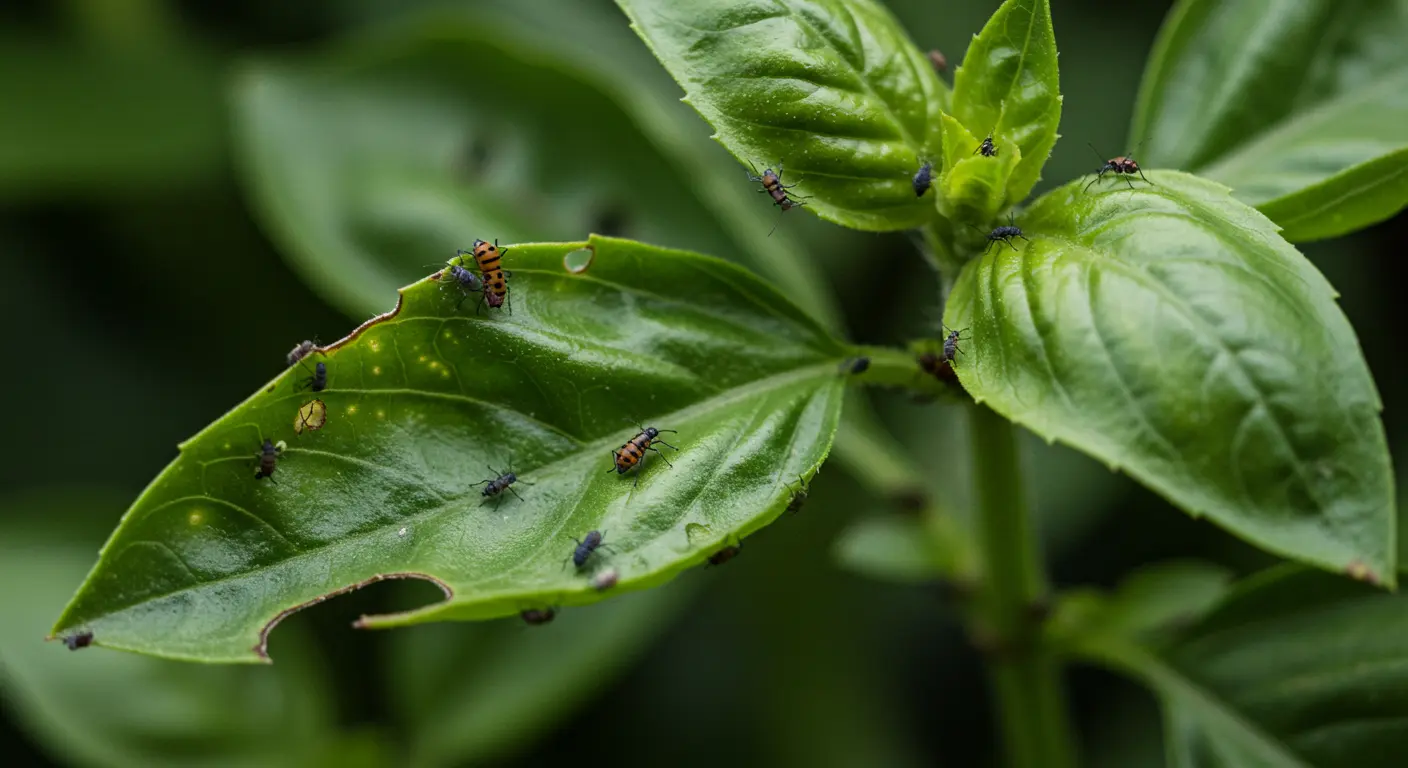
(939, 61)
(923, 179)
(799, 496)
(79, 640)
(634, 450)
(502, 481)
(318, 381)
(464, 277)
(1004, 234)
(605, 580)
(593, 541)
(1123, 167)
(488, 257)
(986, 148)
(536, 616)
(311, 416)
(855, 365)
(951, 345)
(268, 458)
(772, 184)
(304, 349)
(726, 554)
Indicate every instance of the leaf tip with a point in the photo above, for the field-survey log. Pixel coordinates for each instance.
(1360, 571)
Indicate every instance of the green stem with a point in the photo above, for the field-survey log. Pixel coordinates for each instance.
(1025, 676)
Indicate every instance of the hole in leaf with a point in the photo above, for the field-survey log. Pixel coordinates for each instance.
(262, 647)
(577, 261)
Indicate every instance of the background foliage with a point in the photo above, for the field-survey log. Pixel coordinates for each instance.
(148, 243)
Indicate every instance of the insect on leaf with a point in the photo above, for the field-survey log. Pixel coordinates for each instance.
(1170, 332)
(421, 399)
(831, 89)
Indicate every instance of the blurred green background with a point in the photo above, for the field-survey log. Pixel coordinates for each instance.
(188, 188)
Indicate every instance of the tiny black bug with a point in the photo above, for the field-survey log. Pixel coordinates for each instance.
(318, 381)
(1005, 234)
(268, 458)
(634, 450)
(799, 496)
(936, 366)
(855, 365)
(726, 554)
(593, 541)
(502, 481)
(536, 616)
(302, 350)
(463, 277)
(951, 345)
(986, 148)
(772, 184)
(923, 179)
(78, 640)
(1123, 167)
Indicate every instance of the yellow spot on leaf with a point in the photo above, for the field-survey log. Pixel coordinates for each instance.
(381, 414)
(376, 370)
(375, 345)
(421, 359)
(196, 518)
(311, 416)
(351, 409)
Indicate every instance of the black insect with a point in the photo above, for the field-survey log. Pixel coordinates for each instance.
(78, 640)
(1123, 167)
(464, 277)
(726, 554)
(634, 450)
(772, 184)
(1004, 234)
(799, 496)
(502, 481)
(936, 366)
(304, 349)
(593, 541)
(855, 365)
(986, 149)
(951, 345)
(536, 616)
(318, 381)
(268, 458)
(923, 179)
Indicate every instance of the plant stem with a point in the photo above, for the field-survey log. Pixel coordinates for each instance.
(1025, 677)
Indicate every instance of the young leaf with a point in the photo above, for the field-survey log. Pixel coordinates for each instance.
(1294, 110)
(908, 549)
(1008, 85)
(973, 187)
(1168, 331)
(1282, 674)
(421, 399)
(441, 147)
(831, 89)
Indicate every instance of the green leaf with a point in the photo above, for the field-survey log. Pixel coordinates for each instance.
(97, 122)
(1151, 599)
(1008, 85)
(1298, 109)
(470, 693)
(973, 188)
(1295, 668)
(908, 549)
(421, 399)
(831, 89)
(1170, 332)
(365, 157)
(96, 708)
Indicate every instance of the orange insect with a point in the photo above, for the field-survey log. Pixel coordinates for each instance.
(633, 452)
(495, 291)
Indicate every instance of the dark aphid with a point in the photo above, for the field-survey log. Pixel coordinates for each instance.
(1004, 234)
(855, 365)
(951, 345)
(463, 277)
(634, 450)
(923, 179)
(318, 381)
(606, 579)
(936, 366)
(772, 184)
(593, 541)
(986, 148)
(799, 496)
(939, 61)
(502, 481)
(304, 349)
(488, 257)
(268, 458)
(1123, 167)
(536, 616)
(726, 554)
(79, 640)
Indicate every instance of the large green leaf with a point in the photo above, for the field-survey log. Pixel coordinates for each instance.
(421, 399)
(1170, 332)
(1296, 104)
(832, 89)
(1008, 86)
(1294, 668)
(95, 708)
(363, 158)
